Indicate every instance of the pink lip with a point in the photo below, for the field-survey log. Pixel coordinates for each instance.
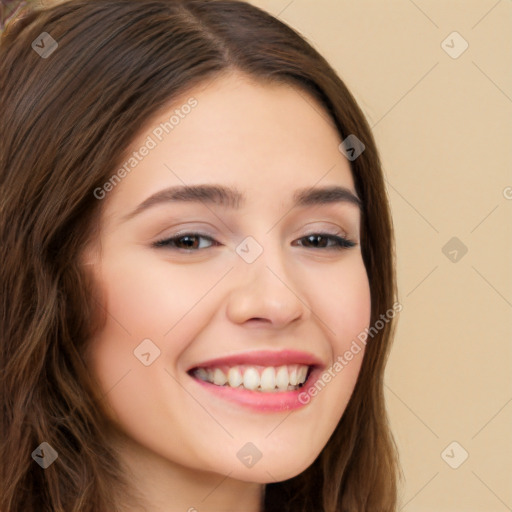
(260, 401)
(263, 358)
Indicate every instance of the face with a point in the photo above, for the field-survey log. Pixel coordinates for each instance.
(219, 307)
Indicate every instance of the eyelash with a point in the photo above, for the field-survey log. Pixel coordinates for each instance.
(340, 242)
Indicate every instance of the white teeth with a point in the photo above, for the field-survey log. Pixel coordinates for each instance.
(293, 375)
(219, 378)
(268, 379)
(251, 378)
(235, 377)
(265, 379)
(302, 374)
(202, 374)
(282, 378)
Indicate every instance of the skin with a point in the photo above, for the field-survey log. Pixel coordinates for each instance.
(179, 441)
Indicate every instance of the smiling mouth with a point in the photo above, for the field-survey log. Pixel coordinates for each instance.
(263, 379)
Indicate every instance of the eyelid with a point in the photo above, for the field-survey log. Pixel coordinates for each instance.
(317, 231)
(341, 242)
(322, 227)
(187, 228)
(313, 231)
(332, 227)
(161, 242)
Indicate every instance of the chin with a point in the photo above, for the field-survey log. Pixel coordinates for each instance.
(275, 469)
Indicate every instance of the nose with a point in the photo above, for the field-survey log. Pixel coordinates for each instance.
(266, 291)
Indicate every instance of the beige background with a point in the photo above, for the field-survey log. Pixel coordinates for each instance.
(443, 126)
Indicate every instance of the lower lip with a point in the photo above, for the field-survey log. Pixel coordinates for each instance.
(276, 401)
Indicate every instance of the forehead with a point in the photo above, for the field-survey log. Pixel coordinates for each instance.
(264, 139)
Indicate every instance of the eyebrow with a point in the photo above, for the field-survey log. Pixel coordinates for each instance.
(230, 197)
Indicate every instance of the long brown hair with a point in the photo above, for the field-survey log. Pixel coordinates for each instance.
(67, 118)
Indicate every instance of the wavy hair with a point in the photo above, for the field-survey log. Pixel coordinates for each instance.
(66, 121)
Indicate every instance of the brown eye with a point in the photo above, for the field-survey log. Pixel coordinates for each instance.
(185, 241)
(321, 241)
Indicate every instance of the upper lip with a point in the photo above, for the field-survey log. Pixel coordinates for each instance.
(263, 358)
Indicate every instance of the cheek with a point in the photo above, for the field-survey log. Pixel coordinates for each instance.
(146, 300)
(341, 300)
(153, 298)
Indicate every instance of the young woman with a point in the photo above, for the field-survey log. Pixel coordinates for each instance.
(198, 284)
